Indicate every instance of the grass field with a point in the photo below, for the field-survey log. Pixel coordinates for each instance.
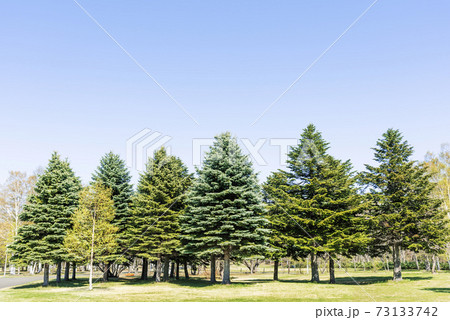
(416, 286)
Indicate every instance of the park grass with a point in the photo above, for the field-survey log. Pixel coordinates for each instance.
(416, 286)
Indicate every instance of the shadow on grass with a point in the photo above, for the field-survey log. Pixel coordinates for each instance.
(53, 284)
(192, 282)
(438, 290)
(358, 280)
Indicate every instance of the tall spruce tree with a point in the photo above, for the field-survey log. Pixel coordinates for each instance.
(321, 210)
(157, 205)
(49, 213)
(404, 213)
(224, 216)
(113, 173)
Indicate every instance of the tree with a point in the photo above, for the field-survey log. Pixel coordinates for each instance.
(276, 216)
(314, 206)
(13, 197)
(157, 205)
(48, 214)
(93, 236)
(439, 168)
(113, 173)
(224, 216)
(404, 213)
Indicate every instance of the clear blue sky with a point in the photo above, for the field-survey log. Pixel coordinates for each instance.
(66, 86)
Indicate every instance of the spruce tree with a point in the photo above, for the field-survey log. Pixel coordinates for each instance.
(404, 213)
(224, 216)
(321, 213)
(49, 215)
(113, 173)
(157, 205)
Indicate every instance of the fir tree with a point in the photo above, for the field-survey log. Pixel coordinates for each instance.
(157, 205)
(225, 212)
(404, 213)
(113, 173)
(49, 213)
(320, 210)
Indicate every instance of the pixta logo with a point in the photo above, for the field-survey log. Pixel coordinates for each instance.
(142, 146)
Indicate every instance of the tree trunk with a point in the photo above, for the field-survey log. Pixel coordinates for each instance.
(46, 274)
(177, 270)
(397, 262)
(417, 261)
(172, 270)
(144, 275)
(66, 271)
(58, 272)
(275, 270)
(91, 269)
(106, 272)
(433, 266)
(213, 269)
(158, 269)
(166, 268)
(74, 270)
(314, 268)
(331, 267)
(226, 267)
(186, 272)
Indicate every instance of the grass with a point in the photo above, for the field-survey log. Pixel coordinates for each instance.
(416, 286)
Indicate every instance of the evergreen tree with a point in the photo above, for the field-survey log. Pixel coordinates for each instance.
(225, 212)
(157, 205)
(320, 210)
(49, 213)
(113, 173)
(93, 236)
(276, 217)
(404, 213)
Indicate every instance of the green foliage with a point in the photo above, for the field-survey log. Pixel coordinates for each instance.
(314, 207)
(404, 210)
(157, 205)
(225, 211)
(48, 214)
(113, 173)
(93, 231)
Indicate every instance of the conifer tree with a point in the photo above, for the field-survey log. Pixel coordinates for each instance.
(113, 173)
(49, 213)
(224, 216)
(157, 205)
(404, 213)
(320, 210)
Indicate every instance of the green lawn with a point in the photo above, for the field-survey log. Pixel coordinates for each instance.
(416, 286)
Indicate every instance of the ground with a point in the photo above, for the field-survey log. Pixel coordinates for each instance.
(416, 286)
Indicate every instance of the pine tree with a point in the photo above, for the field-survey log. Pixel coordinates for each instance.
(225, 212)
(404, 213)
(316, 209)
(49, 213)
(113, 173)
(157, 205)
(93, 236)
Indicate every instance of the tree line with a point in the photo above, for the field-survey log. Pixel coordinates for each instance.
(317, 208)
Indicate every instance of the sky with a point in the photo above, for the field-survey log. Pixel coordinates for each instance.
(82, 77)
